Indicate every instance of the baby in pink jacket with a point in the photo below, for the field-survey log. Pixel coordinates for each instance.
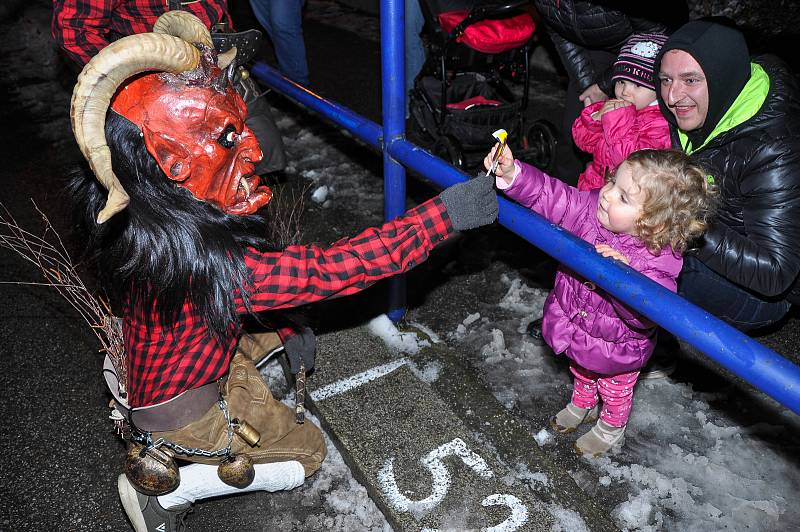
(644, 216)
(613, 129)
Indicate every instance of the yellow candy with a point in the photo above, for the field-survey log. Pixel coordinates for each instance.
(500, 135)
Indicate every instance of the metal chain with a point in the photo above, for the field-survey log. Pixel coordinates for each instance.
(146, 439)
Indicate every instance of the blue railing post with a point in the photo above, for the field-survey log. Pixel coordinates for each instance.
(393, 106)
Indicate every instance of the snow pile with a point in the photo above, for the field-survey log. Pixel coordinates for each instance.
(402, 342)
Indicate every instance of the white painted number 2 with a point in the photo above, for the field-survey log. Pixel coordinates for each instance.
(441, 484)
(519, 513)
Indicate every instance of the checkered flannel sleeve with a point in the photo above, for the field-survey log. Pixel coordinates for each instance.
(80, 27)
(304, 274)
(84, 27)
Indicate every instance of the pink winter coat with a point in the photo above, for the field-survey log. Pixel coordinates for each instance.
(616, 135)
(580, 319)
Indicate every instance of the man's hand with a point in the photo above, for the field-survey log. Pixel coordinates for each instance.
(471, 203)
(591, 95)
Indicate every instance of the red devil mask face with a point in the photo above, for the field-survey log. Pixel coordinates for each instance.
(198, 137)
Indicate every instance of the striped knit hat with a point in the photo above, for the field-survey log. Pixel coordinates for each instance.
(635, 60)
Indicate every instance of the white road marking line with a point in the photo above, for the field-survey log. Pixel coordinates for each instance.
(354, 381)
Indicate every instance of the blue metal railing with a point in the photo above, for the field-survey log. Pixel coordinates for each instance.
(744, 356)
(394, 129)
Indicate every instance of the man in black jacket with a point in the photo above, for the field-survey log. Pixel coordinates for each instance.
(741, 120)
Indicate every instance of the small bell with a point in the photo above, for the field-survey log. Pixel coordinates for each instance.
(246, 431)
(236, 470)
(151, 470)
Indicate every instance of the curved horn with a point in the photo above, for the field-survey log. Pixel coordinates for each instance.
(97, 83)
(184, 25)
(226, 58)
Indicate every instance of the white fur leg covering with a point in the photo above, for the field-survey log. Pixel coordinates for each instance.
(200, 481)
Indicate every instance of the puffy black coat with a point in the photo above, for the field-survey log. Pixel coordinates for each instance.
(755, 239)
(577, 26)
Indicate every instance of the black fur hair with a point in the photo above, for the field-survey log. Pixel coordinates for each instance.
(166, 247)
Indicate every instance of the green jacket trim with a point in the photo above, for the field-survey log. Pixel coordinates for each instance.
(741, 110)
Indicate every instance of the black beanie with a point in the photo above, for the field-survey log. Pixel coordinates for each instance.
(722, 53)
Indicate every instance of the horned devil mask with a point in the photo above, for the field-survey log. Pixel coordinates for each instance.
(191, 120)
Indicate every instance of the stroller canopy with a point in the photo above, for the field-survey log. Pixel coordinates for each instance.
(491, 36)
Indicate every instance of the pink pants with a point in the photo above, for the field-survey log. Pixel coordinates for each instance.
(616, 391)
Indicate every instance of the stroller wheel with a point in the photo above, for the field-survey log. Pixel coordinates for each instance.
(449, 149)
(540, 141)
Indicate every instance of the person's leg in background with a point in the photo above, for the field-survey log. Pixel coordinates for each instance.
(703, 287)
(718, 296)
(263, 13)
(283, 22)
(261, 122)
(414, 50)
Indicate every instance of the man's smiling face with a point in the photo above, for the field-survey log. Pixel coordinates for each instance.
(684, 89)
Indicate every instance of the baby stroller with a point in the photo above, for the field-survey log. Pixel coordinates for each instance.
(460, 97)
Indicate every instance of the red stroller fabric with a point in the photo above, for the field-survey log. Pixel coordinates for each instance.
(475, 101)
(490, 36)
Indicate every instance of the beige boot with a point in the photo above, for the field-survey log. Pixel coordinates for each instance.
(260, 346)
(570, 417)
(600, 439)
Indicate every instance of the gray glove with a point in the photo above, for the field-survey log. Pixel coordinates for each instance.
(471, 203)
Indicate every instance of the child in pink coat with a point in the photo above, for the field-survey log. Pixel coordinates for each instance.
(613, 129)
(644, 216)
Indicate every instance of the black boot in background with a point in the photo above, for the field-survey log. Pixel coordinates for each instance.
(535, 332)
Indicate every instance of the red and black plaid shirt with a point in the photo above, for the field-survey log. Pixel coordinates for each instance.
(84, 27)
(165, 360)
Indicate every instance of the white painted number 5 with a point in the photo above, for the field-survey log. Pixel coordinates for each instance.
(441, 484)
(441, 476)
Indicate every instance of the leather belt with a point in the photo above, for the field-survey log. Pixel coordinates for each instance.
(173, 414)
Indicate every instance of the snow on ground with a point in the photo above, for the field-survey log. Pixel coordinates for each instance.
(344, 17)
(320, 156)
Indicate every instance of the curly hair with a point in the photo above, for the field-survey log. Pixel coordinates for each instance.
(679, 199)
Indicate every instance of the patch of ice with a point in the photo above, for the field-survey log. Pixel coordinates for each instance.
(320, 194)
(543, 437)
